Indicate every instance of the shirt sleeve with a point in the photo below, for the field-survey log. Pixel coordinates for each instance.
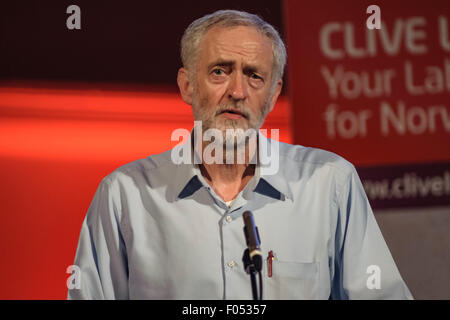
(101, 253)
(364, 267)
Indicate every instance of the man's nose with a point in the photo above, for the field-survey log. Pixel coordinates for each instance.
(238, 88)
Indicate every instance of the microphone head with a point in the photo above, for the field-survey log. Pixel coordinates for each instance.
(251, 231)
(248, 225)
(248, 218)
(253, 241)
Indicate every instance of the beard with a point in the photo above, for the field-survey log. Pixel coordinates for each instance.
(211, 118)
(239, 137)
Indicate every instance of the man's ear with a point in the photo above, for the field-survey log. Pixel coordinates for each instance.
(186, 88)
(276, 93)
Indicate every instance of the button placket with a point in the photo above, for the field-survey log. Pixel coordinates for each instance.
(230, 262)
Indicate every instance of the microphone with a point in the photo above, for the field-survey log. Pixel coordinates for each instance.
(253, 240)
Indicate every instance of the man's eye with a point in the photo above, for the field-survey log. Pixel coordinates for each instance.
(255, 76)
(218, 72)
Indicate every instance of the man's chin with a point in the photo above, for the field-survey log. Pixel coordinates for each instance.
(227, 124)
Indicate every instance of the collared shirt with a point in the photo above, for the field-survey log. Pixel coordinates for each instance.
(157, 230)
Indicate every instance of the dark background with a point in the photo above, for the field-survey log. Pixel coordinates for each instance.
(126, 42)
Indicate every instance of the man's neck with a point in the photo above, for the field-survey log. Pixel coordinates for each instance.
(227, 180)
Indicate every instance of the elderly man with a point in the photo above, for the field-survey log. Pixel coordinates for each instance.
(161, 229)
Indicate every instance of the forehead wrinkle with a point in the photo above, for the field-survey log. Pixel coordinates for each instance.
(249, 49)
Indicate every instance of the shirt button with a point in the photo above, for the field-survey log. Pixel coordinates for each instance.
(231, 263)
(228, 219)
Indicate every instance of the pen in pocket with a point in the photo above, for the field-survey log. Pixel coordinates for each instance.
(269, 264)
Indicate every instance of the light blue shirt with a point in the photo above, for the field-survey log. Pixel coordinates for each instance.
(157, 230)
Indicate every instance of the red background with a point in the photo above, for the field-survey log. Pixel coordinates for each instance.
(55, 147)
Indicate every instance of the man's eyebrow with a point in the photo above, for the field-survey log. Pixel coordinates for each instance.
(221, 63)
(228, 63)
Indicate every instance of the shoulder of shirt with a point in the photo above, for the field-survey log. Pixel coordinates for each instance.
(139, 166)
(297, 156)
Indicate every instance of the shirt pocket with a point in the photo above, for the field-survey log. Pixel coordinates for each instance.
(291, 280)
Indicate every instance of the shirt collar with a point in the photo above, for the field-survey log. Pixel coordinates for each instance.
(277, 181)
(272, 185)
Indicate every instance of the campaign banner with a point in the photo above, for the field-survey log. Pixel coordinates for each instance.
(370, 81)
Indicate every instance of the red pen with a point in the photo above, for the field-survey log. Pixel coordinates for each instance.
(269, 263)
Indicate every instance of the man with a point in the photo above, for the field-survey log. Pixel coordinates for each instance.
(162, 229)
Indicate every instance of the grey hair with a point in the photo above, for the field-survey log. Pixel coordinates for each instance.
(230, 18)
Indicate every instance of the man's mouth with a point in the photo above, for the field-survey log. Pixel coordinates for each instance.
(233, 114)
